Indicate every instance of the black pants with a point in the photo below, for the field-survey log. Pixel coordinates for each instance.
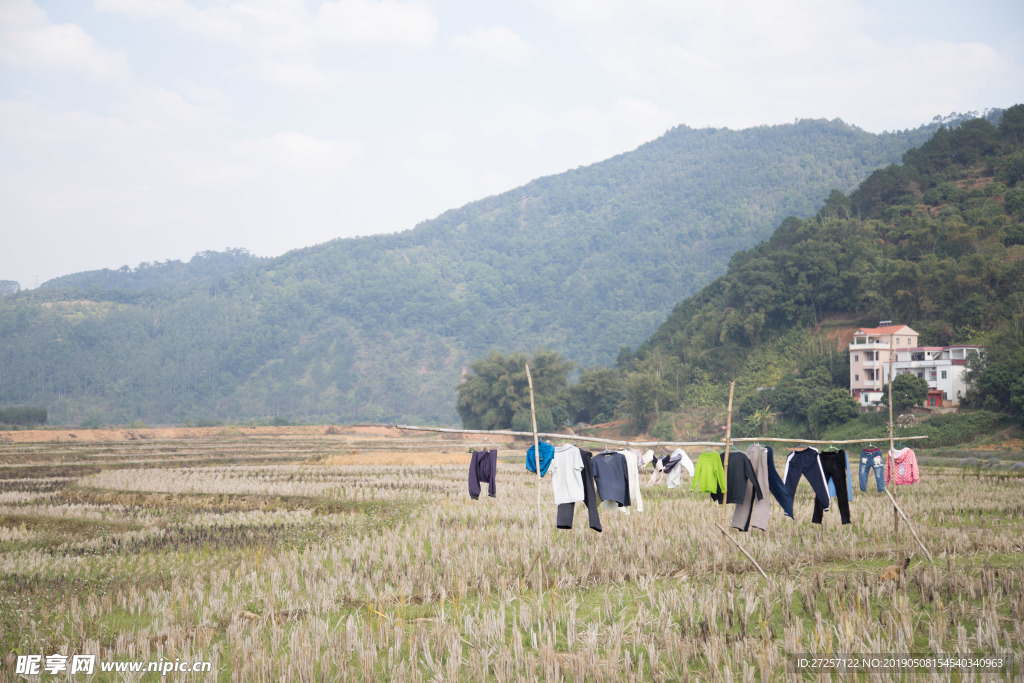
(566, 511)
(834, 465)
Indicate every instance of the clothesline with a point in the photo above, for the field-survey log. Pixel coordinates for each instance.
(619, 442)
(568, 437)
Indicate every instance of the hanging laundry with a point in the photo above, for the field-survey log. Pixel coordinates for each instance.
(849, 479)
(708, 473)
(754, 512)
(836, 467)
(483, 466)
(567, 511)
(777, 486)
(669, 468)
(805, 462)
(658, 475)
(740, 475)
(871, 460)
(611, 477)
(680, 457)
(547, 452)
(633, 476)
(901, 467)
(567, 474)
(646, 459)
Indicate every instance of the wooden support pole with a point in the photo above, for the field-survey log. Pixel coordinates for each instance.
(910, 526)
(536, 457)
(892, 444)
(742, 549)
(724, 526)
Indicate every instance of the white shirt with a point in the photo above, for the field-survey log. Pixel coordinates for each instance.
(567, 474)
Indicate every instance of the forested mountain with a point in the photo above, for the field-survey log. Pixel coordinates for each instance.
(381, 328)
(936, 243)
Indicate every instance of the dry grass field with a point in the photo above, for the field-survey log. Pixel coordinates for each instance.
(294, 554)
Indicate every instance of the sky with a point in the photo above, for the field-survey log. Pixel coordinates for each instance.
(141, 131)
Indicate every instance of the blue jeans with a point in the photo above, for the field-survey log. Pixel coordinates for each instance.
(872, 460)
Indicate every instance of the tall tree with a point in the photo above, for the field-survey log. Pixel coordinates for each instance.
(496, 394)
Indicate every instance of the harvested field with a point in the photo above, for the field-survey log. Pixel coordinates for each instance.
(297, 554)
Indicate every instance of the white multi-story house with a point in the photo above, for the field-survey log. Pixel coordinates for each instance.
(870, 355)
(942, 367)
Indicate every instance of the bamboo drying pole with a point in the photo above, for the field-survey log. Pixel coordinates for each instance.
(569, 437)
(536, 458)
(892, 444)
(810, 442)
(725, 466)
(620, 442)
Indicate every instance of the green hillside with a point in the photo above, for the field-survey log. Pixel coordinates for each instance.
(936, 243)
(381, 328)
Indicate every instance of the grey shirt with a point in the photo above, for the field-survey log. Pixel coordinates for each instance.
(611, 476)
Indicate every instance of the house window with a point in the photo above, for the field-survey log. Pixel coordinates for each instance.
(943, 374)
(856, 378)
(856, 357)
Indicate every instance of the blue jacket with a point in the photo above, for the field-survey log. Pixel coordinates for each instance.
(547, 454)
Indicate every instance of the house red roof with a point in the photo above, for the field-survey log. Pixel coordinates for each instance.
(889, 329)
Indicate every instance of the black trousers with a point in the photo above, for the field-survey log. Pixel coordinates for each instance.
(834, 465)
(566, 511)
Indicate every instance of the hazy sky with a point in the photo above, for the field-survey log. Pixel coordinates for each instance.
(147, 130)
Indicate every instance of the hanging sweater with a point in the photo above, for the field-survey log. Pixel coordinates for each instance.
(741, 473)
(483, 466)
(901, 467)
(708, 474)
(611, 477)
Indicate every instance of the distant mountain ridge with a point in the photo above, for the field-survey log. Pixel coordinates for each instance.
(204, 266)
(380, 328)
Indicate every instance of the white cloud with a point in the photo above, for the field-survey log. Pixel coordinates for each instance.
(297, 153)
(29, 40)
(385, 21)
(294, 75)
(497, 45)
(288, 26)
(168, 110)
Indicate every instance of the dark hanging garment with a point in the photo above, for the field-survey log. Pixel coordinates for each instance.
(754, 512)
(834, 464)
(740, 472)
(567, 511)
(611, 477)
(483, 466)
(778, 487)
(807, 463)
